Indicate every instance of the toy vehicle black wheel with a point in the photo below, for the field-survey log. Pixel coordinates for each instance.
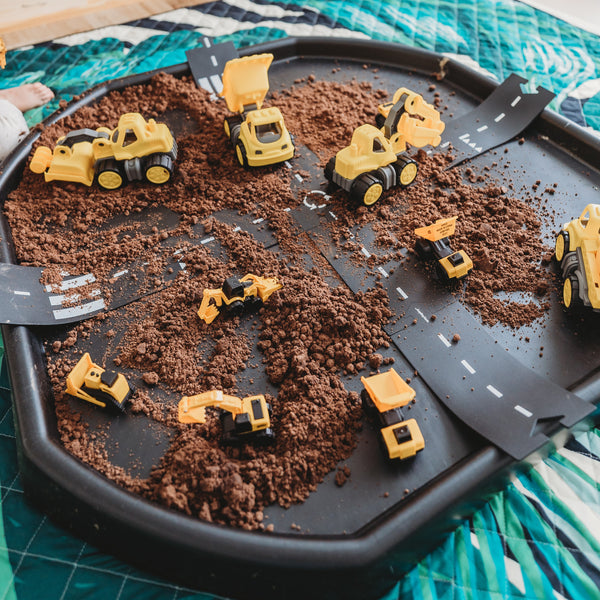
(159, 168)
(110, 175)
(407, 170)
(231, 125)
(366, 189)
(441, 273)
(561, 246)
(329, 169)
(571, 296)
(379, 120)
(235, 309)
(240, 152)
(423, 249)
(368, 405)
(252, 304)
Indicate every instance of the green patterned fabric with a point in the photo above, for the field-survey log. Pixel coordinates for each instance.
(538, 538)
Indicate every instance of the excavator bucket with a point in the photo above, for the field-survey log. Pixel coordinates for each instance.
(388, 390)
(208, 310)
(246, 82)
(442, 228)
(75, 163)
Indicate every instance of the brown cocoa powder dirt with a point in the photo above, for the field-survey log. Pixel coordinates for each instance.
(310, 333)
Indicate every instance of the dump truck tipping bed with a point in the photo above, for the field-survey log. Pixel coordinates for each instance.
(388, 390)
(246, 82)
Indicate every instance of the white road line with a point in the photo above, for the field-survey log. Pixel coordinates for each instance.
(468, 367)
(383, 272)
(523, 411)
(287, 164)
(59, 300)
(178, 251)
(205, 85)
(287, 209)
(365, 252)
(422, 315)
(259, 220)
(444, 144)
(216, 83)
(464, 137)
(206, 42)
(516, 101)
(444, 340)
(121, 273)
(494, 391)
(71, 283)
(333, 215)
(500, 117)
(85, 309)
(206, 240)
(402, 293)
(482, 128)
(213, 60)
(20, 293)
(297, 176)
(238, 228)
(181, 266)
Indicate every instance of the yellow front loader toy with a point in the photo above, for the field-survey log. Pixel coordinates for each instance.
(237, 296)
(577, 250)
(433, 242)
(99, 386)
(374, 161)
(382, 399)
(243, 419)
(136, 150)
(258, 134)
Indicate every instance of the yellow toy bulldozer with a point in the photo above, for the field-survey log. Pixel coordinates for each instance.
(242, 419)
(433, 242)
(137, 149)
(99, 386)
(258, 134)
(374, 161)
(382, 399)
(237, 296)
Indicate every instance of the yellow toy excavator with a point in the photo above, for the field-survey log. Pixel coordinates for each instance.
(137, 149)
(258, 134)
(243, 419)
(433, 242)
(382, 398)
(99, 386)
(373, 161)
(237, 296)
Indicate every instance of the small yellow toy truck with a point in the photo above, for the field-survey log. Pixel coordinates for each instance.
(258, 134)
(577, 250)
(137, 149)
(243, 419)
(237, 296)
(99, 386)
(374, 161)
(433, 242)
(382, 399)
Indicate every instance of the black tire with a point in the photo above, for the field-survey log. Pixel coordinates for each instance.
(379, 120)
(231, 125)
(252, 304)
(441, 273)
(561, 246)
(423, 249)
(110, 176)
(571, 298)
(235, 309)
(406, 170)
(329, 169)
(241, 154)
(368, 405)
(159, 169)
(366, 189)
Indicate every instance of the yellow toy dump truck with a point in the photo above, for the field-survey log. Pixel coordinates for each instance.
(374, 161)
(258, 134)
(243, 419)
(99, 386)
(433, 242)
(577, 250)
(237, 296)
(137, 149)
(382, 399)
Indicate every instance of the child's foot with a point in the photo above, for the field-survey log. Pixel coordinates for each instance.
(28, 96)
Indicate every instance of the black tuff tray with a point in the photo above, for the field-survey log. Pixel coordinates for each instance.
(354, 540)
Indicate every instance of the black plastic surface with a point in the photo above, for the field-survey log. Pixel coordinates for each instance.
(356, 539)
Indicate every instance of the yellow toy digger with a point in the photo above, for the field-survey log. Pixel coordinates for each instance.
(237, 296)
(577, 250)
(373, 161)
(99, 386)
(382, 398)
(137, 149)
(433, 242)
(258, 134)
(242, 419)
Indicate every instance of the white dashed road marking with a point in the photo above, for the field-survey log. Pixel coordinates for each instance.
(468, 367)
(366, 252)
(500, 117)
(516, 101)
(402, 293)
(523, 411)
(494, 391)
(422, 315)
(20, 293)
(383, 272)
(444, 340)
